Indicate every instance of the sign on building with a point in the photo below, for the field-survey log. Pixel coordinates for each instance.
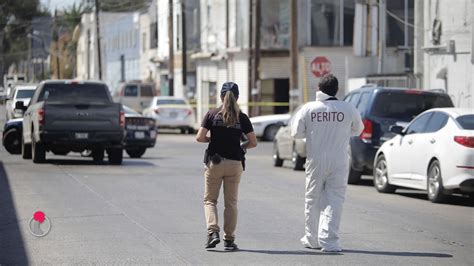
(320, 66)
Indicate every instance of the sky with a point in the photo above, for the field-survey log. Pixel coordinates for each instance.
(58, 4)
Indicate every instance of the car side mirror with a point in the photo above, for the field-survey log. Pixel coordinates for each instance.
(20, 105)
(397, 130)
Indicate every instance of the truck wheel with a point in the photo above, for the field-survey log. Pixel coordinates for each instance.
(97, 155)
(354, 175)
(115, 156)
(136, 153)
(38, 151)
(25, 150)
(12, 142)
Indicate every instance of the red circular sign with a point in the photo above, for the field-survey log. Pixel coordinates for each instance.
(320, 66)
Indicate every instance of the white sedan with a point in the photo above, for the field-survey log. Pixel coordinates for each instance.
(171, 112)
(266, 126)
(435, 152)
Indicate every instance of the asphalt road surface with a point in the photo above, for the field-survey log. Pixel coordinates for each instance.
(150, 211)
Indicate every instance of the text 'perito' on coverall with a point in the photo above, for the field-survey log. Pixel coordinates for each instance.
(327, 125)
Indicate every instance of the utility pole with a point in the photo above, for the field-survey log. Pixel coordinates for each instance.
(97, 7)
(256, 56)
(250, 63)
(183, 40)
(58, 65)
(382, 16)
(171, 49)
(294, 89)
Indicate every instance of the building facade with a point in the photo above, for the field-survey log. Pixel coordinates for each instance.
(444, 48)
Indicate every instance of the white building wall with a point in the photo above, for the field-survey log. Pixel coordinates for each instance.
(456, 18)
(344, 65)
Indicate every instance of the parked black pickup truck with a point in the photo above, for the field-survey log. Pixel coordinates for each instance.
(67, 115)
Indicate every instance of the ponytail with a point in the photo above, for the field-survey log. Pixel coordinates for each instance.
(230, 110)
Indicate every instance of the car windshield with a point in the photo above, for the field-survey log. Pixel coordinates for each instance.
(24, 94)
(83, 93)
(466, 121)
(405, 106)
(170, 102)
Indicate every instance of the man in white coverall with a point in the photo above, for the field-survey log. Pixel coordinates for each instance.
(327, 124)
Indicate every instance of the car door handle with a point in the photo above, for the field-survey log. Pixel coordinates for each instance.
(410, 142)
(432, 141)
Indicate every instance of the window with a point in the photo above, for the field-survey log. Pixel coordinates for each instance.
(363, 102)
(275, 24)
(131, 91)
(466, 121)
(77, 93)
(331, 23)
(146, 91)
(405, 106)
(153, 35)
(418, 126)
(437, 122)
(354, 97)
(22, 94)
(395, 34)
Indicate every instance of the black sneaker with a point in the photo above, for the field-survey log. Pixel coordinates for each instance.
(230, 245)
(212, 240)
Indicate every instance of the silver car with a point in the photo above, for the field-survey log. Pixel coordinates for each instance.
(286, 147)
(172, 112)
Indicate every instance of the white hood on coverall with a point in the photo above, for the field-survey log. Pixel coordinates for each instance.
(327, 126)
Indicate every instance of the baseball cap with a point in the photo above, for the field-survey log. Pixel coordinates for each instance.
(230, 86)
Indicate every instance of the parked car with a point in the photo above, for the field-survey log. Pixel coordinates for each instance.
(172, 112)
(66, 115)
(434, 153)
(19, 93)
(380, 108)
(2, 94)
(12, 131)
(136, 95)
(285, 147)
(266, 126)
(141, 133)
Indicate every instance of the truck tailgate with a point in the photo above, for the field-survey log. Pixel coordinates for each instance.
(85, 117)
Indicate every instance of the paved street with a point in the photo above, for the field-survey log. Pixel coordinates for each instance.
(150, 211)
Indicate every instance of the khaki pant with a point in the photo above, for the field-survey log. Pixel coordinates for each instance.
(229, 172)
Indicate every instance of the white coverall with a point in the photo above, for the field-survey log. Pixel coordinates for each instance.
(327, 126)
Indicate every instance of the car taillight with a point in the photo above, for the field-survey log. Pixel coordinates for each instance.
(465, 141)
(122, 119)
(41, 116)
(368, 130)
(189, 112)
(157, 110)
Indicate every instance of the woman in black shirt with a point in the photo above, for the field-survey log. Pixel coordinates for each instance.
(226, 125)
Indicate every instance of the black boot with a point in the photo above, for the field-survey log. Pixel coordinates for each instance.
(212, 240)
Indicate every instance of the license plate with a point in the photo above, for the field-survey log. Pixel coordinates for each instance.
(173, 114)
(139, 135)
(82, 135)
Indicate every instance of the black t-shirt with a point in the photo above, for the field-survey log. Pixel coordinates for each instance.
(225, 141)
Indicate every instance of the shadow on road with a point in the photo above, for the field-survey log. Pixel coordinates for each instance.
(399, 253)
(277, 252)
(451, 200)
(12, 248)
(90, 162)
